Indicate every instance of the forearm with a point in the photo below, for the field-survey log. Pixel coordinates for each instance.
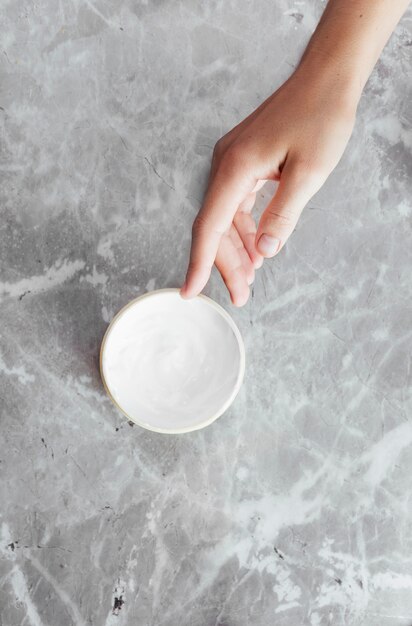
(349, 39)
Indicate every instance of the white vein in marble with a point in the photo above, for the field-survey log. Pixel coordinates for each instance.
(295, 507)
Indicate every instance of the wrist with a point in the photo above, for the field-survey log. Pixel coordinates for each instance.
(332, 74)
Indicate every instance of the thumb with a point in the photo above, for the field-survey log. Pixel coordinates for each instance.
(298, 183)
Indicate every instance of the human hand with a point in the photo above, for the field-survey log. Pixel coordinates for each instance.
(296, 137)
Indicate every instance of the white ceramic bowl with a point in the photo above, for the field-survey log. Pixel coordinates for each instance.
(145, 354)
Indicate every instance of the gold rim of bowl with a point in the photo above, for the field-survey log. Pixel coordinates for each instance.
(226, 404)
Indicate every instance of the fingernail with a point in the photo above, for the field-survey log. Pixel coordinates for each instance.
(267, 245)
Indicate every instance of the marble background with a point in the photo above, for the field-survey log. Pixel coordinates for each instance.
(295, 508)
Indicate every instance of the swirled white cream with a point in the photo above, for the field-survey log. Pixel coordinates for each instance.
(172, 364)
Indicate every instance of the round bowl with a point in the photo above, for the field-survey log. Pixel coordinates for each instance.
(172, 365)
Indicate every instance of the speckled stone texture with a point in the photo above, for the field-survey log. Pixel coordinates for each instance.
(295, 507)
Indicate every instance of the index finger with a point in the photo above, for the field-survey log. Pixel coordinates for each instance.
(229, 187)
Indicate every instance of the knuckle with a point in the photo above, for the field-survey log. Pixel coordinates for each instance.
(199, 224)
(202, 226)
(219, 149)
(235, 158)
(284, 218)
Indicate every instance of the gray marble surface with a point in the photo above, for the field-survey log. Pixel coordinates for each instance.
(294, 508)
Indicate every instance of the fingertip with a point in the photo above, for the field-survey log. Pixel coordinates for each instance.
(240, 299)
(239, 303)
(182, 290)
(258, 262)
(184, 295)
(268, 246)
(187, 294)
(194, 283)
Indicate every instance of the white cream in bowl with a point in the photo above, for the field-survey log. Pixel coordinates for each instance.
(172, 365)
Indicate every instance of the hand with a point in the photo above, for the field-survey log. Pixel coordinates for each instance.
(296, 137)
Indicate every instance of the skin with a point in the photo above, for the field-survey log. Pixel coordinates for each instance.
(296, 137)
